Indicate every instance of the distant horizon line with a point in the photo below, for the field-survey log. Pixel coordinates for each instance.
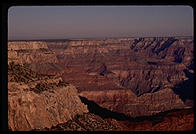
(88, 38)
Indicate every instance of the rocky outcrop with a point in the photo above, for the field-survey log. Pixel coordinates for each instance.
(37, 101)
(85, 122)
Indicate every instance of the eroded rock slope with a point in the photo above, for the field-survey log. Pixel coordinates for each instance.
(34, 55)
(148, 68)
(130, 76)
(38, 101)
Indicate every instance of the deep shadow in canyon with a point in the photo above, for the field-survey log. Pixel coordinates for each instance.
(185, 90)
(105, 113)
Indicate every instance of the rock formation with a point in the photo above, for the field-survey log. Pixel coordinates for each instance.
(85, 122)
(131, 76)
(176, 120)
(148, 67)
(139, 64)
(124, 101)
(38, 101)
(35, 55)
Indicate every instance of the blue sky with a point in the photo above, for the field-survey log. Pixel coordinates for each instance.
(62, 22)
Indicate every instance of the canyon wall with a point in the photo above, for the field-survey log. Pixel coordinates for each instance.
(37, 101)
(124, 101)
(135, 77)
(148, 67)
(139, 64)
(34, 55)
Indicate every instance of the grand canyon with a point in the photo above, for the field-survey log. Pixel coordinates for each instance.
(101, 84)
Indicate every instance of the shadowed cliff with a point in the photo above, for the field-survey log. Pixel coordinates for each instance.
(105, 113)
(185, 90)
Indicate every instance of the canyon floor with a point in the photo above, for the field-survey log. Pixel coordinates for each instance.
(110, 84)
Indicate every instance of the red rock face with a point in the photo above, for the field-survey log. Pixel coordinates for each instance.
(133, 76)
(124, 101)
(34, 55)
(143, 66)
(37, 101)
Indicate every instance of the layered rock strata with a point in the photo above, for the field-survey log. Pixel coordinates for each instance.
(35, 55)
(140, 64)
(124, 101)
(149, 67)
(176, 120)
(37, 101)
